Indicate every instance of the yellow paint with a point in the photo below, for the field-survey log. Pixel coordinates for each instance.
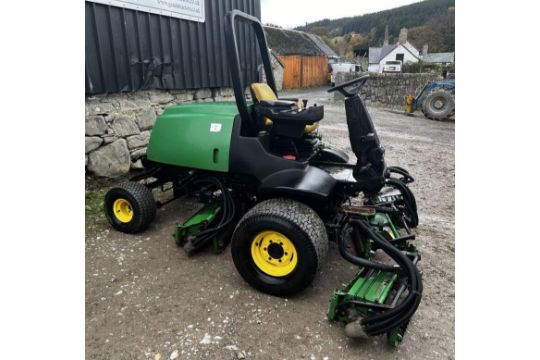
(273, 253)
(262, 91)
(408, 103)
(122, 210)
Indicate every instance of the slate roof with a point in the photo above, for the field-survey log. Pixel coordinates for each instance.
(447, 57)
(291, 42)
(374, 55)
(386, 49)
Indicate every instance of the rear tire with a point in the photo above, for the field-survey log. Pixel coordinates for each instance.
(130, 207)
(295, 228)
(438, 105)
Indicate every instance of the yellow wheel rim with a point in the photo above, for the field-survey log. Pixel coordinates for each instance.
(273, 253)
(122, 210)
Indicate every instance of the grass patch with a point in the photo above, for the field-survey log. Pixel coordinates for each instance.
(93, 206)
(95, 190)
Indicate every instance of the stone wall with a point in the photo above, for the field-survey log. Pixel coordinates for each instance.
(277, 69)
(388, 90)
(117, 126)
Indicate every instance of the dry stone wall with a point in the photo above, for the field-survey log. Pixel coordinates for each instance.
(388, 90)
(117, 126)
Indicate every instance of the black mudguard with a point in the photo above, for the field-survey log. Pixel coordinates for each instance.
(333, 155)
(310, 182)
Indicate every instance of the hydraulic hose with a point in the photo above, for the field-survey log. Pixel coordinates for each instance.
(402, 313)
(228, 212)
(408, 199)
(364, 262)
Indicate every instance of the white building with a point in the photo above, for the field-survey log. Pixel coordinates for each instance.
(403, 51)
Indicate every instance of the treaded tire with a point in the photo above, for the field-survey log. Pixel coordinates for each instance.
(300, 224)
(429, 109)
(142, 204)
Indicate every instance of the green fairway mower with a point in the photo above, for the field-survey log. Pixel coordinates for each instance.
(271, 188)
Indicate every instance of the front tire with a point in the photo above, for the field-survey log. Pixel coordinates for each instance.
(279, 245)
(130, 207)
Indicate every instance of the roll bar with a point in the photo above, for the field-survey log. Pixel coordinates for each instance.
(234, 61)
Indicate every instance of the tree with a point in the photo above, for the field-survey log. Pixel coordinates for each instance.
(319, 30)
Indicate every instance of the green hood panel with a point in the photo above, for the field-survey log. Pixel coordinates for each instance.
(194, 135)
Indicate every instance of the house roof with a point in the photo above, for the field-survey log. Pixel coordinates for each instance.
(291, 42)
(447, 57)
(411, 49)
(322, 45)
(386, 49)
(374, 55)
(377, 54)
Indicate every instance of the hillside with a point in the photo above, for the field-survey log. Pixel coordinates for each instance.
(430, 21)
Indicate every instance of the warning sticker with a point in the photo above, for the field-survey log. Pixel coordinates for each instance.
(215, 127)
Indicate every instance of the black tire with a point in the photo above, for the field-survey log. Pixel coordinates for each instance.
(296, 221)
(438, 105)
(141, 203)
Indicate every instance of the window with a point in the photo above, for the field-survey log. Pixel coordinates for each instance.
(400, 57)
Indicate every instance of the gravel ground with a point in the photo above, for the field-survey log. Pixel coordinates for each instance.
(145, 299)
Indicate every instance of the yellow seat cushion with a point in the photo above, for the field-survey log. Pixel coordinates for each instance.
(261, 91)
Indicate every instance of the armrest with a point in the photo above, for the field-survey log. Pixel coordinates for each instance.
(303, 116)
(277, 103)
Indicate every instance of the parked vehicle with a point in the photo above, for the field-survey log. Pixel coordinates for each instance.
(342, 67)
(393, 66)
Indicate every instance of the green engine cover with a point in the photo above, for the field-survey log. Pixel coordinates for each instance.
(194, 135)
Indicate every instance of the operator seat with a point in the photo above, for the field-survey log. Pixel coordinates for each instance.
(264, 95)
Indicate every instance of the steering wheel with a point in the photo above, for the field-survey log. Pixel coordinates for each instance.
(358, 83)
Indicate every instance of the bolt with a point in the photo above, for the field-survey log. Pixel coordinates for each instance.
(279, 260)
(280, 243)
(286, 253)
(269, 258)
(264, 249)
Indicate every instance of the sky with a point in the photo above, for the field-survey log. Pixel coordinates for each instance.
(292, 13)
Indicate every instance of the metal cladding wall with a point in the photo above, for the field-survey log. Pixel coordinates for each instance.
(128, 50)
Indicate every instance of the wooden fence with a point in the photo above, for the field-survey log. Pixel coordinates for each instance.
(304, 71)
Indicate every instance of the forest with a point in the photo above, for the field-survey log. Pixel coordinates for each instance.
(429, 22)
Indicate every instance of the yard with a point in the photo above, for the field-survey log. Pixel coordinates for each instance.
(145, 299)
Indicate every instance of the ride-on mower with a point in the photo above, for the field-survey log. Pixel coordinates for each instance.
(268, 185)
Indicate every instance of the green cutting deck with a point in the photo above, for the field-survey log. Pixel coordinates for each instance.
(369, 286)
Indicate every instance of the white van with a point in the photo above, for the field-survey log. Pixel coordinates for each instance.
(343, 67)
(392, 66)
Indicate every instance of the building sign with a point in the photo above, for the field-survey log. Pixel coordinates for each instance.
(182, 9)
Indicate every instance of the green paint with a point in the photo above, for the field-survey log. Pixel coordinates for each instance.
(372, 288)
(196, 223)
(194, 135)
(394, 337)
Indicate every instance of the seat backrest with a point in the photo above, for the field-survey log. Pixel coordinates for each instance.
(365, 144)
(261, 91)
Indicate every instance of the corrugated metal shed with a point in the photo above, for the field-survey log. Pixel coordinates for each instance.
(128, 50)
